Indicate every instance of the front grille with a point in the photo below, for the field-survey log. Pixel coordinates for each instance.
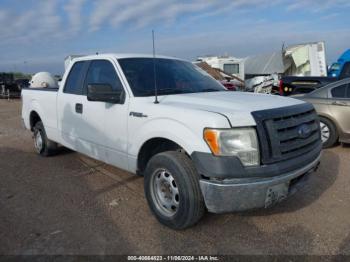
(287, 132)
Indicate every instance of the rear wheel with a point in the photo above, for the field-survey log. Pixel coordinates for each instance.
(42, 144)
(172, 190)
(329, 134)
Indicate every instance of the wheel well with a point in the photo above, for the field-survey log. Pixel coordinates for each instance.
(34, 118)
(330, 120)
(153, 147)
(334, 123)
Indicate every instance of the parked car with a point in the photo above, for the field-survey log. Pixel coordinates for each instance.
(229, 85)
(8, 86)
(22, 83)
(332, 103)
(198, 146)
(291, 85)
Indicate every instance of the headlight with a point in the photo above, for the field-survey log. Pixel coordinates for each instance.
(240, 142)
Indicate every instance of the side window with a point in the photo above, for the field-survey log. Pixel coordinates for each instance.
(103, 72)
(73, 83)
(339, 91)
(348, 92)
(345, 71)
(231, 68)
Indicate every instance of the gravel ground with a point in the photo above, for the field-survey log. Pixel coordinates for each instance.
(70, 204)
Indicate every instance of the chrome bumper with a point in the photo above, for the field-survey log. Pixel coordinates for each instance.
(250, 193)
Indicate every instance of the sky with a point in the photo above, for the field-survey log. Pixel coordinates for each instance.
(36, 35)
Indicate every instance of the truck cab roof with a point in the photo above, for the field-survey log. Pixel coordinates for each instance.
(121, 56)
(73, 58)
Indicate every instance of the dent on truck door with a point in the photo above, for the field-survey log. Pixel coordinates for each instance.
(104, 131)
(69, 106)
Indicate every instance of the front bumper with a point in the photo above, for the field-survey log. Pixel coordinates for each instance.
(239, 194)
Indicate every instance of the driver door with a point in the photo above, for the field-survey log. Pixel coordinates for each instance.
(104, 132)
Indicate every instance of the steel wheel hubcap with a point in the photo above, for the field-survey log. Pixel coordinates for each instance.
(38, 141)
(325, 132)
(165, 193)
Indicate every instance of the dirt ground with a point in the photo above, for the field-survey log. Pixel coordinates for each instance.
(69, 204)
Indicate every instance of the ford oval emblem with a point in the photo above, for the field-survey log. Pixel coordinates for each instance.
(304, 131)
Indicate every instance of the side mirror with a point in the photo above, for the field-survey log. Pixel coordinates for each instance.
(105, 93)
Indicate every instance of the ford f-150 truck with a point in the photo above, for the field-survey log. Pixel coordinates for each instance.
(198, 146)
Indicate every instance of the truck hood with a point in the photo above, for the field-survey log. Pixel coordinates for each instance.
(236, 106)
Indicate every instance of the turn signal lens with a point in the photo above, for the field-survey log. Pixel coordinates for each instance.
(211, 137)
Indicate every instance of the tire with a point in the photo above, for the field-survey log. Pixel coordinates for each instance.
(42, 144)
(174, 172)
(329, 134)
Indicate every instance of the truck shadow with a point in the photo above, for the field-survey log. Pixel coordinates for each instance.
(61, 150)
(345, 145)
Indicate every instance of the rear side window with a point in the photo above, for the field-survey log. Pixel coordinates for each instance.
(73, 82)
(103, 72)
(339, 91)
(348, 92)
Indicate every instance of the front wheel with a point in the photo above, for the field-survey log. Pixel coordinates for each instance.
(172, 190)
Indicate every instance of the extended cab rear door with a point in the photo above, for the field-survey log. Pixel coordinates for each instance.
(69, 105)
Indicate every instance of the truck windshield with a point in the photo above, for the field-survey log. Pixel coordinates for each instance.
(173, 77)
(335, 67)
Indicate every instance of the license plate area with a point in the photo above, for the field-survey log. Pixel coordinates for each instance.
(276, 194)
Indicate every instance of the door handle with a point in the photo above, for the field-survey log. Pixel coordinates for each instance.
(338, 103)
(79, 108)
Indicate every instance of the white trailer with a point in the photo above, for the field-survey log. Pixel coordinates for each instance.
(307, 59)
(229, 64)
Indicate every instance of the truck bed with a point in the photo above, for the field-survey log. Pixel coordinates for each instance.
(43, 100)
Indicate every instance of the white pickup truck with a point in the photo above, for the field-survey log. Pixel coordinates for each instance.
(198, 146)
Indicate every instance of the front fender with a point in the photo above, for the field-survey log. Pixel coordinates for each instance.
(189, 139)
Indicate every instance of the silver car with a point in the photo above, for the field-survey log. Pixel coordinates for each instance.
(332, 103)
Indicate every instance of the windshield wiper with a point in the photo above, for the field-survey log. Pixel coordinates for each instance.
(168, 91)
(210, 90)
(174, 91)
(161, 92)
